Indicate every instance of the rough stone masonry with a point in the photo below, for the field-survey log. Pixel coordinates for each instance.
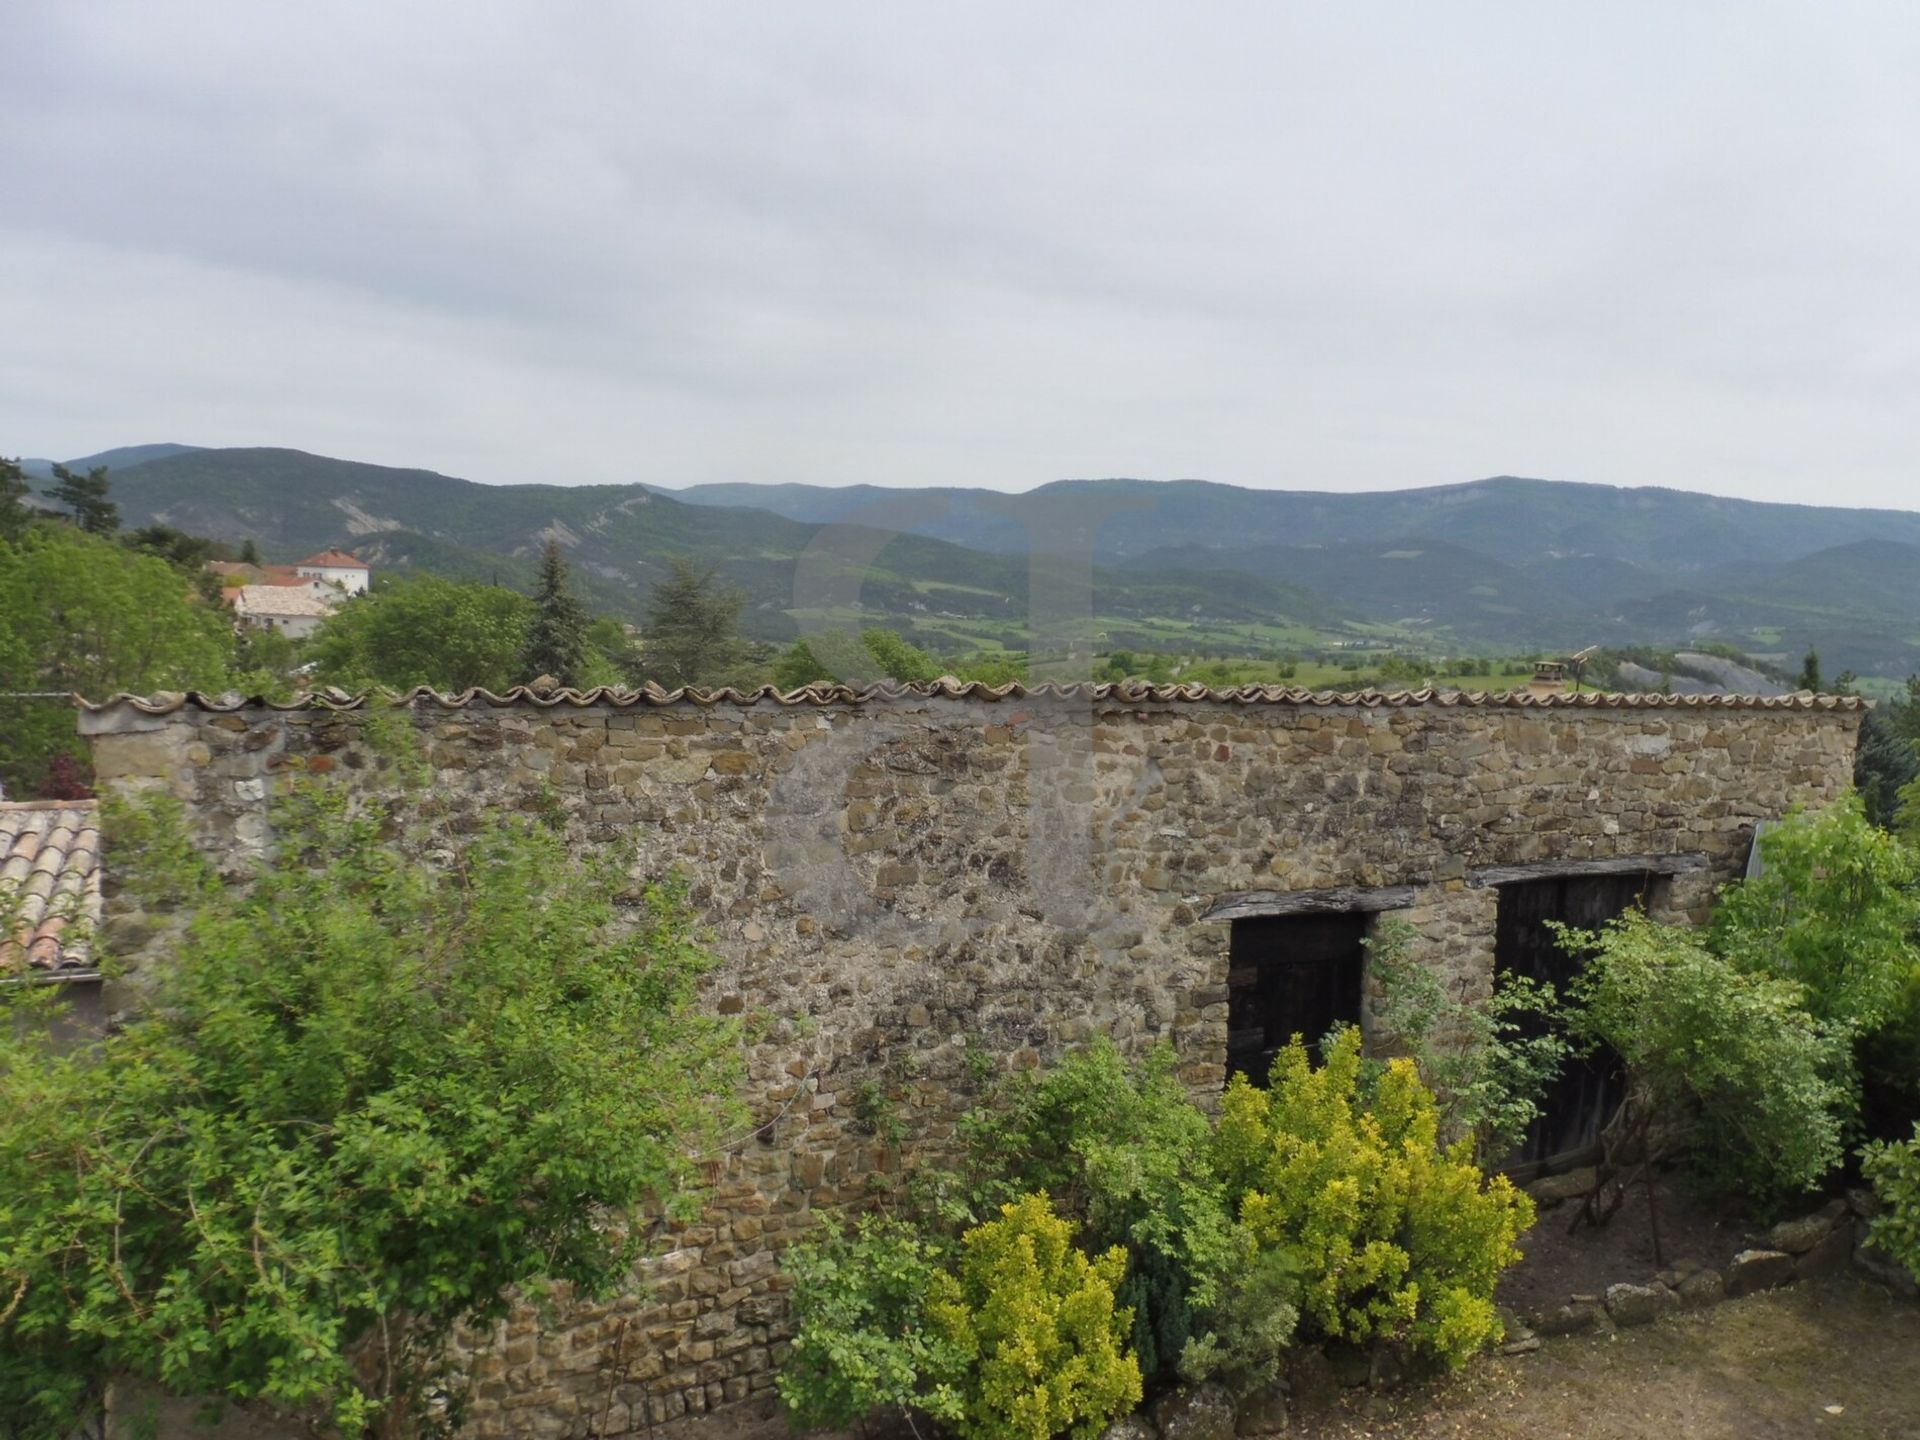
(899, 878)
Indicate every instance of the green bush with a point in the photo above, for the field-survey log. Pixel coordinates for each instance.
(1894, 1169)
(862, 1343)
(1126, 1153)
(1044, 1344)
(1835, 911)
(1394, 1237)
(1734, 1055)
(1489, 1062)
(376, 1094)
(1249, 1323)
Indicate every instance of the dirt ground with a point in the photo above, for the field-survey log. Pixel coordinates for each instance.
(1587, 1260)
(1837, 1359)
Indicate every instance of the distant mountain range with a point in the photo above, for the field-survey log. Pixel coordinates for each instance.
(123, 458)
(1503, 563)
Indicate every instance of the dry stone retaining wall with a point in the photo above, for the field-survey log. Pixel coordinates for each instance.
(900, 881)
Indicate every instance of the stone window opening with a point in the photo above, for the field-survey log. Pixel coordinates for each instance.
(1292, 975)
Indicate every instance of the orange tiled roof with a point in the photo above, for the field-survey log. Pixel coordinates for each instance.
(247, 574)
(49, 885)
(951, 689)
(334, 560)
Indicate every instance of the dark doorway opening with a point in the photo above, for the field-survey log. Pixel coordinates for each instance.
(1290, 975)
(1589, 1089)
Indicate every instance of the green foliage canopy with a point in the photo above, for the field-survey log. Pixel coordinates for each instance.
(861, 1342)
(1126, 1153)
(1708, 1042)
(1836, 910)
(835, 655)
(692, 630)
(375, 1093)
(449, 634)
(1894, 1169)
(15, 516)
(82, 614)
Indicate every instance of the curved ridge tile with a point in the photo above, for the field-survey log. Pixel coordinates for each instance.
(837, 694)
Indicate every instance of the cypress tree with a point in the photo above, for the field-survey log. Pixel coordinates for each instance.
(1810, 673)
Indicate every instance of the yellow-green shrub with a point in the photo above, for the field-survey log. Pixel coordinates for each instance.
(1394, 1237)
(1036, 1321)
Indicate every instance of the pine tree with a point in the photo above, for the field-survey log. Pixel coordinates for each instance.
(692, 634)
(85, 497)
(557, 639)
(249, 553)
(14, 514)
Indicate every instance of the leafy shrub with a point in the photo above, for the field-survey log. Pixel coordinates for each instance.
(1735, 1054)
(1126, 1153)
(1894, 1170)
(1249, 1323)
(1489, 1062)
(1835, 911)
(375, 1094)
(862, 1342)
(1045, 1345)
(1394, 1237)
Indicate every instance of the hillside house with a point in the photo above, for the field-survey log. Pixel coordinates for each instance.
(292, 599)
(336, 567)
(294, 610)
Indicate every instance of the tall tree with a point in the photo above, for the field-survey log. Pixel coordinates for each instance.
(1887, 762)
(84, 614)
(557, 639)
(14, 514)
(1810, 672)
(693, 629)
(85, 497)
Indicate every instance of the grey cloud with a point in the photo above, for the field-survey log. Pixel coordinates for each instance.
(1340, 246)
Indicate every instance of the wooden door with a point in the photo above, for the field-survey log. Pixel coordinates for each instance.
(1583, 1099)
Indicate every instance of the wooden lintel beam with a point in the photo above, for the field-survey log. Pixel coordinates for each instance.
(1342, 900)
(1491, 875)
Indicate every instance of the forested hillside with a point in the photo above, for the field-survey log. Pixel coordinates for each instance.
(1496, 564)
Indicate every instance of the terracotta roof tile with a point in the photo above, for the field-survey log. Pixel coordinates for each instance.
(334, 560)
(848, 695)
(49, 885)
(249, 574)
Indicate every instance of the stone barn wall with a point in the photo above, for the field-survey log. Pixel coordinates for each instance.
(897, 879)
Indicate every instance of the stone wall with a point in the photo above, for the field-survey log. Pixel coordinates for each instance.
(899, 881)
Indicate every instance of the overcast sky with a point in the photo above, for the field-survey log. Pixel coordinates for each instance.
(1342, 246)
